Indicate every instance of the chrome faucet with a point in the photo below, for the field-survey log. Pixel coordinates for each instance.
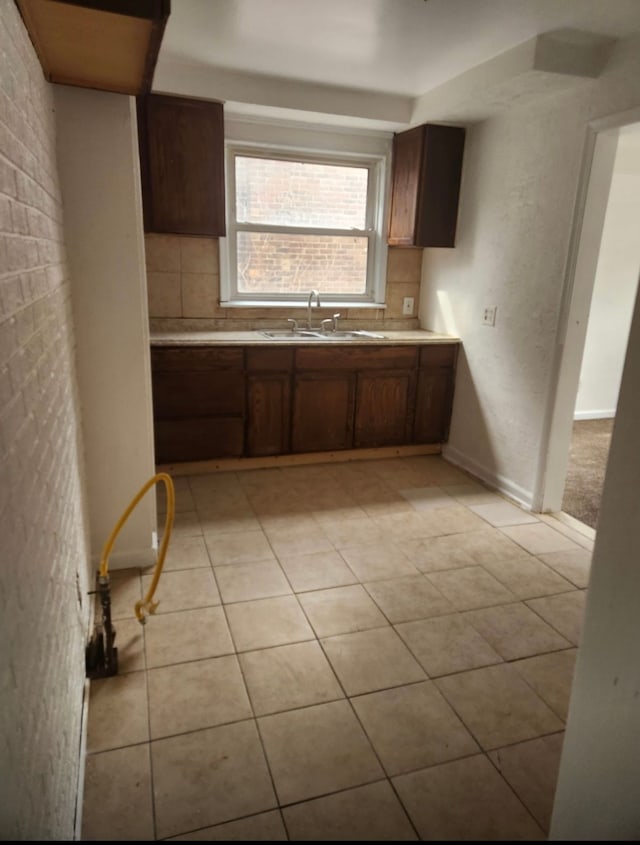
(311, 295)
(330, 321)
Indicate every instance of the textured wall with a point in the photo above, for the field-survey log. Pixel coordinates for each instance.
(520, 178)
(43, 550)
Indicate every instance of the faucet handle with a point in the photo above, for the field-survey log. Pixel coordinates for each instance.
(295, 323)
(326, 322)
(335, 321)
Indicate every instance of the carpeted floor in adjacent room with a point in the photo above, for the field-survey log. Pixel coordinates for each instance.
(587, 464)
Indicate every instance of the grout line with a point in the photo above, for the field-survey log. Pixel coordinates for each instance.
(262, 519)
(513, 791)
(154, 819)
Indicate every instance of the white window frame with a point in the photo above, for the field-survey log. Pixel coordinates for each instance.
(375, 226)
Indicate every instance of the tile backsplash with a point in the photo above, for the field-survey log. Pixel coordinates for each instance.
(183, 284)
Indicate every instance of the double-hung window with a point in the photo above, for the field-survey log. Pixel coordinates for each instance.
(299, 220)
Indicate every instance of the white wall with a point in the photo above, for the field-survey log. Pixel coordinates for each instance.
(520, 179)
(599, 780)
(509, 253)
(44, 554)
(99, 173)
(614, 289)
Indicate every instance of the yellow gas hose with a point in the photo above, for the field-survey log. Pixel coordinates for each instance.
(146, 603)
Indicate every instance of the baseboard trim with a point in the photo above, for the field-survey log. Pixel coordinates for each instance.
(235, 464)
(575, 526)
(498, 482)
(77, 833)
(594, 415)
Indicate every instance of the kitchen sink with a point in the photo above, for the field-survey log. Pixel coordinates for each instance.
(290, 334)
(310, 334)
(356, 333)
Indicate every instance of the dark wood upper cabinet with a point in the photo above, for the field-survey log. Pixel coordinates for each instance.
(427, 169)
(182, 165)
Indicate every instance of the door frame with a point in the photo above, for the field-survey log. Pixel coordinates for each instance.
(598, 158)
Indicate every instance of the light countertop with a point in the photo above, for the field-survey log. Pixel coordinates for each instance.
(256, 338)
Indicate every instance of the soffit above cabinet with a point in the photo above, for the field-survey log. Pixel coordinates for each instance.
(110, 45)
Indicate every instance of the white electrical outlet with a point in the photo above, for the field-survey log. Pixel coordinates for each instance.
(407, 305)
(489, 316)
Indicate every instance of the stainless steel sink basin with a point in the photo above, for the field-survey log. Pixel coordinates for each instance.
(306, 334)
(290, 334)
(355, 333)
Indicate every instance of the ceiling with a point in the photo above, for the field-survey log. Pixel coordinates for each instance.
(397, 50)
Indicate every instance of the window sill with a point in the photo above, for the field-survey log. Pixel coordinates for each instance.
(262, 303)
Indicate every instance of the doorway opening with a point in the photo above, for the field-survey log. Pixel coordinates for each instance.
(602, 282)
(588, 456)
(607, 334)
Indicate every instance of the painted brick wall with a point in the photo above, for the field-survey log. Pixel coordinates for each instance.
(43, 547)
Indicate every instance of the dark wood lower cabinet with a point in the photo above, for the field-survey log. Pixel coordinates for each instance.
(434, 398)
(268, 414)
(434, 393)
(198, 439)
(220, 402)
(268, 419)
(323, 405)
(384, 406)
(198, 403)
(198, 394)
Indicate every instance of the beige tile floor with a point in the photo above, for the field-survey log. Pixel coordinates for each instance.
(366, 650)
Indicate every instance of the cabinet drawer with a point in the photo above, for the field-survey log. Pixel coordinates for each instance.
(261, 358)
(202, 358)
(438, 355)
(357, 358)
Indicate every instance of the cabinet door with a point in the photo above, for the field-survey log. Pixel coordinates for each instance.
(197, 394)
(198, 403)
(182, 165)
(198, 439)
(427, 169)
(323, 405)
(434, 398)
(439, 186)
(383, 408)
(268, 414)
(407, 160)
